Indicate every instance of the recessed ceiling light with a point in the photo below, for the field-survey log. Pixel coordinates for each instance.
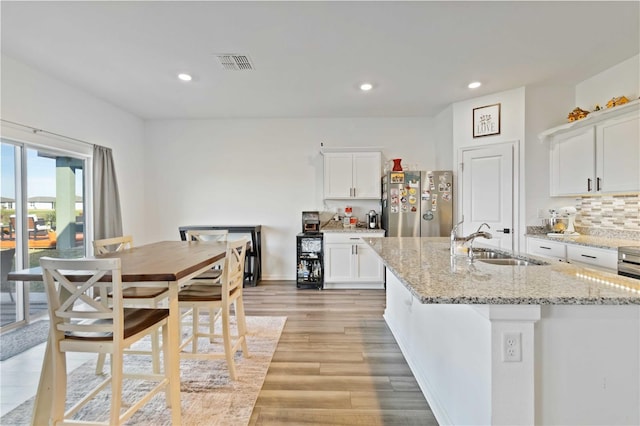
(365, 87)
(474, 85)
(184, 77)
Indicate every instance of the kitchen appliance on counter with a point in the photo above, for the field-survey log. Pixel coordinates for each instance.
(372, 219)
(562, 222)
(310, 222)
(417, 203)
(629, 261)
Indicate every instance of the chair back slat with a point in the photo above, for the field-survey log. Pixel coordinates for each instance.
(71, 304)
(111, 245)
(78, 292)
(233, 275)
(208, 235)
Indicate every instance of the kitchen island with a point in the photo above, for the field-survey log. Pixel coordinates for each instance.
(498, 344)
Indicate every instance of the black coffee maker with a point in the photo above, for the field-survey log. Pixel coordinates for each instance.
(310, 222)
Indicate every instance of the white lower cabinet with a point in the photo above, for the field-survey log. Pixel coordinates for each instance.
(606, 259)
(350, 263)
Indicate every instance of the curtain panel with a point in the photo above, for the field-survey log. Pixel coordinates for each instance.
(107, 216)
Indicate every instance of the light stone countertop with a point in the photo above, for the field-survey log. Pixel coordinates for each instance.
(336, 226)
(589, 241)
(426, 268)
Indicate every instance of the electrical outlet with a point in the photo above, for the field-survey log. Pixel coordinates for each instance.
(512, 347)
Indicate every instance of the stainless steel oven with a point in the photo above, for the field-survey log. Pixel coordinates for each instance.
(629, 261)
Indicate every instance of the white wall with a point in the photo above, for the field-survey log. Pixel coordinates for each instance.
(33, 98)
(443, 128)
(546, 106)
(622, 79)
(260, 171)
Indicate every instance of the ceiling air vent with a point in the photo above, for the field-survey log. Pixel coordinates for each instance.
(235, 62)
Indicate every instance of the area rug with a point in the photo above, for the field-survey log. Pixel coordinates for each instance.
(209, 396)
(23, 338)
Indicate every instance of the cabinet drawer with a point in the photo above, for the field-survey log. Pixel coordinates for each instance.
(349, 237)
(546, 248)
(607, 259)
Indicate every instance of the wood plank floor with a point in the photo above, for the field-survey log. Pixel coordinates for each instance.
(337, 362)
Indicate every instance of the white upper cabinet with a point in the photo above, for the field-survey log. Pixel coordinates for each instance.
(600, 155)
(618, 154)
(352, 175)
(573, 162)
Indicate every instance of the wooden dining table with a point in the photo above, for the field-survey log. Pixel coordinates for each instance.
(166, 263)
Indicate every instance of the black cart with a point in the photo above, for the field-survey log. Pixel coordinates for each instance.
(309, 263)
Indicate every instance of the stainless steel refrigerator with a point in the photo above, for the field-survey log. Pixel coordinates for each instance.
(417, 203)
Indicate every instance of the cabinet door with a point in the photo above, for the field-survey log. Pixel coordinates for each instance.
(338, 175)
(573, 162)
(366, 174)
(338, 260)
(368, 267)
(618, 155)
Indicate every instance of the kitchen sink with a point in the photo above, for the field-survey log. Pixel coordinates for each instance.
(501, 258)
(490, 254)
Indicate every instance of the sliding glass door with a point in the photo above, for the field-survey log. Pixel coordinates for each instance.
(42, 214)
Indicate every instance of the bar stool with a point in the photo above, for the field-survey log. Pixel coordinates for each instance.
(80, 323)
(151, 297)
(204, 295)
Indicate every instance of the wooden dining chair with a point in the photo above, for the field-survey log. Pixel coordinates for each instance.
(219, 235)
(204, 295)
(80, 323)
(211, 276)
(137, 296)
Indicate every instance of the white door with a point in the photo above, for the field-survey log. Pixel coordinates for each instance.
(487, 192)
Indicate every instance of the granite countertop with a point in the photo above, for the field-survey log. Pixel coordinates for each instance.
(426, 268)
(336, 226)
(589, 241)
(590, 237)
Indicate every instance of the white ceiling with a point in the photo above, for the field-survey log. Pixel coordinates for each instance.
(309, 57)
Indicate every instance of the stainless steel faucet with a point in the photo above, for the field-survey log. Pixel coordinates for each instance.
(470, 238)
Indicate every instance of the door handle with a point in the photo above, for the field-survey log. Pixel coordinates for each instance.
(598, 184)
(504, 230)
(589, 184)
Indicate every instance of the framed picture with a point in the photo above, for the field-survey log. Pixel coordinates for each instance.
(486, 120)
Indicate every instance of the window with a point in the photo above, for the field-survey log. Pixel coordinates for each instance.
(42, 214)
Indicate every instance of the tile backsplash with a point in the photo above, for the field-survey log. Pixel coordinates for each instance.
(612, 212)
